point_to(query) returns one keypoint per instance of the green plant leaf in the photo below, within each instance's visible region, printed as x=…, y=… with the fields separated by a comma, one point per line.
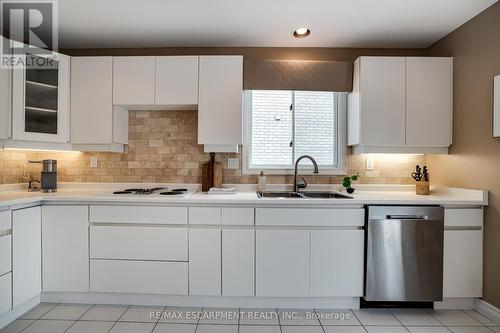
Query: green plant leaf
x=347, y=179
x=355, y=177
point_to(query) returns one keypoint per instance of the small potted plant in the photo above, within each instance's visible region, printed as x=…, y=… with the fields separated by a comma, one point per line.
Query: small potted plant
x=347, y=183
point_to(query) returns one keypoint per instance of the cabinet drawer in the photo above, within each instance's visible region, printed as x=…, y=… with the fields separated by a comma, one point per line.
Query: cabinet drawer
x=5, y=223
x=5, y=254
x=237, y=216
x=5, y=292
x=204, y=215
x=138, y=243
x=142, y=277
x=463, y=217
x=309, y=217
x=138, y=214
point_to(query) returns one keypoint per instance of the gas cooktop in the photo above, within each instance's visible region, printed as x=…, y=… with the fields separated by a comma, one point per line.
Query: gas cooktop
x=154, y=191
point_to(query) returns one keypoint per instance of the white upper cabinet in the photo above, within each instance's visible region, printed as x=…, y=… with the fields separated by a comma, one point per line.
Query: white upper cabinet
x=429, y=101
x=378, y=102
x=41, y=99
x=5, y=100
x=91, y=99
x=134, y=80
x=220, y=100
x=177, y=80
x=401, y=105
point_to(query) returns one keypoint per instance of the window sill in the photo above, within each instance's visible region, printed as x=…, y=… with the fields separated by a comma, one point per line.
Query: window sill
x=302, y=172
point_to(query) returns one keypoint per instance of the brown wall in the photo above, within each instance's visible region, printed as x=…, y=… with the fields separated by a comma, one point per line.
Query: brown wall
x=475, y=156
x=282, y=53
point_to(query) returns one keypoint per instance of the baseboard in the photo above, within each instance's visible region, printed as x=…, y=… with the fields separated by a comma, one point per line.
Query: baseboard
x=488, y=310
x=455, y=303
x=205, y=301
x=11, y=315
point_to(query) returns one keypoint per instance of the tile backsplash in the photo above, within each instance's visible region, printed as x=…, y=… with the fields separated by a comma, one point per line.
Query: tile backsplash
x=163, y=149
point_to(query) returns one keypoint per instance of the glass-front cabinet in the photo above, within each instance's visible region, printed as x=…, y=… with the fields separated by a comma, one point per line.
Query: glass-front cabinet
x=41, y=101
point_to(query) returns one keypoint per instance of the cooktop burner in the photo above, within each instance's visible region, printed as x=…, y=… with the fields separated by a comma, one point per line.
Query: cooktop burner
x=141, y=191
x=173, y=192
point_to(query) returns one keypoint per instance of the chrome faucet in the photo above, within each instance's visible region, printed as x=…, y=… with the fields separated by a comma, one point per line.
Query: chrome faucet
x=316, y=170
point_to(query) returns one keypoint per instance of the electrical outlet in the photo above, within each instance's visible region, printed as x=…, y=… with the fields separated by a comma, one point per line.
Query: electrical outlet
x=93, y=161
x=370, y=163
x=233, y=163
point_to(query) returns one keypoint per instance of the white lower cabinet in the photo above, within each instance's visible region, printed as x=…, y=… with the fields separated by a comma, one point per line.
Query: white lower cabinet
x=337, y=263
x=5, y=292
x=282, y=263
x=26, y=254
x=5, y=254
x=138, y=243
x=205, y=261
x=238, y=262
x=463, y=263
x=65, y=254
x=141, y=277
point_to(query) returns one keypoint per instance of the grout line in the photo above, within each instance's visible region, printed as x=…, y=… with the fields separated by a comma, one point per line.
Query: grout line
x=239, y=315
x=279, y=321
x=474, y=318
x=392, y=313
x=320, y=323
x=431, y=312
x=116, y=322
x=83, y=314
x=198, y=321
x=162, y=312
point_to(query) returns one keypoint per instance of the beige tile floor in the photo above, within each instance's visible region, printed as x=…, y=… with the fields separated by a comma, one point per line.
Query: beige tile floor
x=83, y=318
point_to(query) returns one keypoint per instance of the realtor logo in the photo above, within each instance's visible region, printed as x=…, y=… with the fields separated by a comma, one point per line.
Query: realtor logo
x=28, y=27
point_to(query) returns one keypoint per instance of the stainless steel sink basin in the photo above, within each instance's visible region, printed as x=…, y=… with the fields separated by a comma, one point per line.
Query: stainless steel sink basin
x=269, y=194
x=326, y=195
x=303, y=195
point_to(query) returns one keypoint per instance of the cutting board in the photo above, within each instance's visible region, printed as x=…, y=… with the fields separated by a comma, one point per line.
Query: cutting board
x=211, y=174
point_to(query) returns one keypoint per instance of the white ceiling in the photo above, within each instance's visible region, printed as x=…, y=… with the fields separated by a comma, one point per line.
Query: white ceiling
x=334, y=23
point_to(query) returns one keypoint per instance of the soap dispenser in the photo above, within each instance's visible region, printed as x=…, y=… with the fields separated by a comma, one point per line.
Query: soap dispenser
x=261, y=185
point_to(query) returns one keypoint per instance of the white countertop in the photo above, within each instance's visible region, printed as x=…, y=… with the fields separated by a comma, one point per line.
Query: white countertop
x=12, y=195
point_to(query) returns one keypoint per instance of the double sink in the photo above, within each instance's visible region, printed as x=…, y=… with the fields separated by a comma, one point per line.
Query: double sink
x=303, y=195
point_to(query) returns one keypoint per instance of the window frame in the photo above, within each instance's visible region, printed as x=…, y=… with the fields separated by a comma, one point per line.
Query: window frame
x=339, y=141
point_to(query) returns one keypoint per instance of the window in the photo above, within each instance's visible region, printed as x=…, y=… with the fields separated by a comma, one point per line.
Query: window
x=282, y=125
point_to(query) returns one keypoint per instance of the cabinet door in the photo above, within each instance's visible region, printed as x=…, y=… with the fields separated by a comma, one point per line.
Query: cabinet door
x=65, y=254
x=26, y=254
x=5, y=292
x=337, y=261
x=204, y=261
x=220, y=100
x=463, y=263
x=5, y=100
x=41, y=99
x=238, y=262
x=382, y=100
x=429, y=101
x=92, y=100
x=177, y=80
x=134, y=80
x=282, y=263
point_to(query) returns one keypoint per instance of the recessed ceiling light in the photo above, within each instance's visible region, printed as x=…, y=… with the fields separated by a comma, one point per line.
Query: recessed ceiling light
x=301, y=32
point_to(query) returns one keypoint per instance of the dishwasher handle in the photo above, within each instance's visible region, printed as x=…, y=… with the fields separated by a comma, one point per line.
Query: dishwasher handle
x=407, y=217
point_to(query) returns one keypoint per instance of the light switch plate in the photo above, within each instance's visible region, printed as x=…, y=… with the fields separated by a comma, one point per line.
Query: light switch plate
x=93, y=161
x=370, y=163
x=233, y=163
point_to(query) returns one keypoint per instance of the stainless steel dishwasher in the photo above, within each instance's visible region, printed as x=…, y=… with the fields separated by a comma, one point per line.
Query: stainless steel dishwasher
x=404, y=259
